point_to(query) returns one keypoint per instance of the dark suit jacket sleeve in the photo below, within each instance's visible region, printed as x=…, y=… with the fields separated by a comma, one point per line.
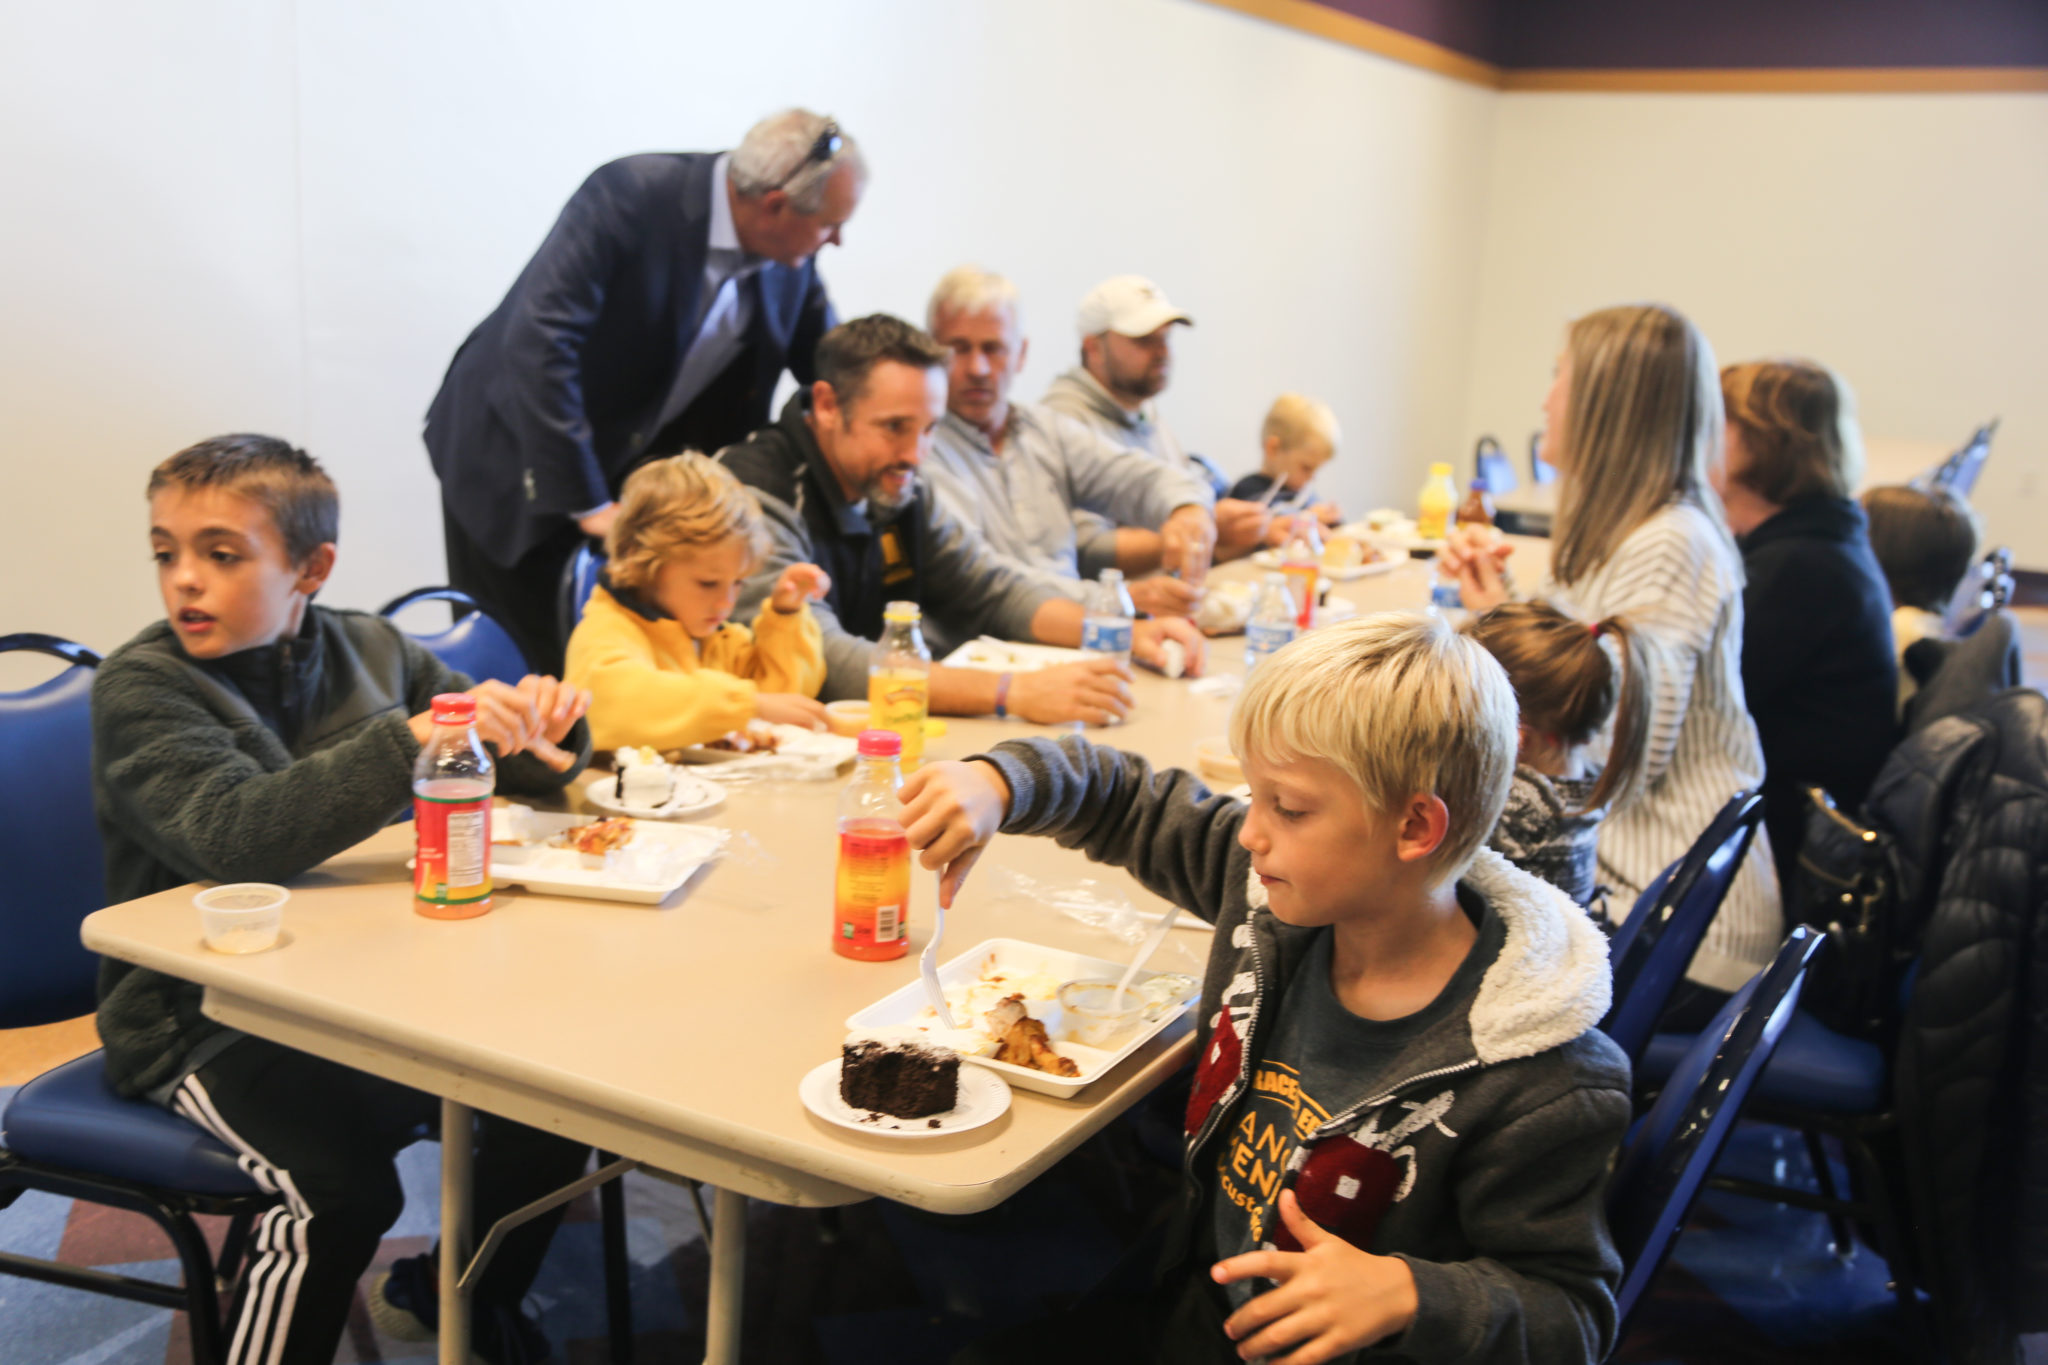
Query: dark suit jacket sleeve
x=548, y=318
x=818, y=318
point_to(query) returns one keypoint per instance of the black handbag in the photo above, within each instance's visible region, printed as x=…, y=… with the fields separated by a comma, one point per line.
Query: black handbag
x=1848, y=885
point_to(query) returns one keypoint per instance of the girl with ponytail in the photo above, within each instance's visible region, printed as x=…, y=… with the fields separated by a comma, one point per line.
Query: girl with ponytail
x=1570, y=680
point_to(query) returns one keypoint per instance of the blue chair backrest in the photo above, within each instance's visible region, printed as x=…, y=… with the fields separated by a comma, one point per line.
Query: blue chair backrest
x=1540, y=469
x=1958, y=473
x=475, y=644
x=579, y=580
x=1667, y=1157
x=1492, y=467
x=1651, y=949
x=49, y=840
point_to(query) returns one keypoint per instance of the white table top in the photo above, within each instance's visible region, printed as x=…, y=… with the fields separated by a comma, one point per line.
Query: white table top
x=676, y=1035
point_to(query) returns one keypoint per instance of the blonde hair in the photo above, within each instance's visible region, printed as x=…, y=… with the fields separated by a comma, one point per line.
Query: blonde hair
x=1567, y=687
x=685, y=502
x=1642, y=424
x=1295, y=418
x=969, y=289
x=1798, y=425
x=1401, y=704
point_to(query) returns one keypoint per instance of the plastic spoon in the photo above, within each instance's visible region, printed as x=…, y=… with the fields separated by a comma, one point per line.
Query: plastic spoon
x=1150, y=946
x=928, y=963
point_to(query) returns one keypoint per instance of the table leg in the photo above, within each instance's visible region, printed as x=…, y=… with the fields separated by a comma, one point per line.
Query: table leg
x=728, y=1278
x=458, y=1143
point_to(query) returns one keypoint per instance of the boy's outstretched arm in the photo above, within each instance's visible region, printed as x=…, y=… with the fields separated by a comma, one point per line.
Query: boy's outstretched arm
x=1162, y=825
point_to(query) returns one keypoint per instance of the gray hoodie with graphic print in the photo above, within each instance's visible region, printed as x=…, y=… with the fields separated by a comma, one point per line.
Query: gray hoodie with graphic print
x=1485, y=1167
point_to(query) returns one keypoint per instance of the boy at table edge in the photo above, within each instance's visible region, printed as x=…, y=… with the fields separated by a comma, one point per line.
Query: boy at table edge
x=1402, y=1117
x=247, y=737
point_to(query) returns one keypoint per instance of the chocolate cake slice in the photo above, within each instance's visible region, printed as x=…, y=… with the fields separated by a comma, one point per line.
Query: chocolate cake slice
x=902, y=1080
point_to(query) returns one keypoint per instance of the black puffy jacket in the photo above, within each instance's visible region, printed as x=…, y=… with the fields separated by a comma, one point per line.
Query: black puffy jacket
x=1967, y=800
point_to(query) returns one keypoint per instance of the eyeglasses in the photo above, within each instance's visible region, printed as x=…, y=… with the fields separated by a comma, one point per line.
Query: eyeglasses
x=823, y=150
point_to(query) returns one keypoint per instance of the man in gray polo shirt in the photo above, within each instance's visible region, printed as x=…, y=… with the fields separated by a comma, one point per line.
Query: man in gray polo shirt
x=1017, y=472
x=1126, y=329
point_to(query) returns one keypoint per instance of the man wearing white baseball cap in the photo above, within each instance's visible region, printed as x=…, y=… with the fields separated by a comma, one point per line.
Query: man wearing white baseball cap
x=1126, y=324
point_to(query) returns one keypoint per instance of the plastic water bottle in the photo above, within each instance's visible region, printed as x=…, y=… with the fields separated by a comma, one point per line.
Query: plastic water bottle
x=1271, y=627
x=1445, y=598
x=1106, y=629
x=452, y=783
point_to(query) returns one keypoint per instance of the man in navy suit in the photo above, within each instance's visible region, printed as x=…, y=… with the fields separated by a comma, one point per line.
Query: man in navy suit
x=657, y=317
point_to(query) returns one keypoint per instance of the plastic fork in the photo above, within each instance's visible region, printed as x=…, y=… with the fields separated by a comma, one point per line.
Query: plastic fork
x=928, y=962
x=1151, y=946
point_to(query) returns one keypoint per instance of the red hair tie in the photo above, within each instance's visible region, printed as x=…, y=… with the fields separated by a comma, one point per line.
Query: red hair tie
x=1594, y=629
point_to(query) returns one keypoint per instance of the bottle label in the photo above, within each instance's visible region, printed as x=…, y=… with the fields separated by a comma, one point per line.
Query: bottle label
x=873, y=891
x=452, y=859
x=1262, y=638
x=1106, y=635
x=1445, y=596
x=1301, y=581
x=899, y=701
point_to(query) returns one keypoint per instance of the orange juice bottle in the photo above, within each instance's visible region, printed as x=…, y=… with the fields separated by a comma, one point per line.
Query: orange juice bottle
x=871, y=897
x=900, y=680
x=451, y=801
x=1439, y=502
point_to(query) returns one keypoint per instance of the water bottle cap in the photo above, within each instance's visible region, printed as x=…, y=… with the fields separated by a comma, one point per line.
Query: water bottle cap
x=880, y=744
x=454, y=708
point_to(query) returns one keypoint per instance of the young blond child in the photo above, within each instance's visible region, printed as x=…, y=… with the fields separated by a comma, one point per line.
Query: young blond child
x=664, y=665
x=1298, y=437
x=1402, y=1114
x=1567, y=688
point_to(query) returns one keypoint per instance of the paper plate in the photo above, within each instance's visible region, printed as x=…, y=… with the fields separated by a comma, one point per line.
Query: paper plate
x=984, y=1098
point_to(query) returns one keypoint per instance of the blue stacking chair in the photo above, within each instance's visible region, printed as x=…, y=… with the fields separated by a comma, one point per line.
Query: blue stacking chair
x=474, y=644
x=1821, y=1084
x=1958, y=473
x=1492, y=467
x=579, y=580
x=66, y=1132
x=1675, y=1144
x=1652, y=947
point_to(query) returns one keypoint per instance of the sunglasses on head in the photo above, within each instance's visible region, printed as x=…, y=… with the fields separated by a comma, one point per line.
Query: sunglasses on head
x=823, y=150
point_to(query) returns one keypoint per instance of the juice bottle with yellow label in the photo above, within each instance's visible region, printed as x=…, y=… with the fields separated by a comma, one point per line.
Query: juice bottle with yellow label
x=871, y=894
x=900, y=680
x=452, y=783
x=1438, y=502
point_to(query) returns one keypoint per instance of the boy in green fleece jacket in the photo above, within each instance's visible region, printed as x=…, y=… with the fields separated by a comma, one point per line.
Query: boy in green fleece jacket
x=1402, y=1118
x=247, y=737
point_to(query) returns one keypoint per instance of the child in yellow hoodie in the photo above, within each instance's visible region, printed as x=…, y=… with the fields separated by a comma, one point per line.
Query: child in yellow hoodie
x=664, y=666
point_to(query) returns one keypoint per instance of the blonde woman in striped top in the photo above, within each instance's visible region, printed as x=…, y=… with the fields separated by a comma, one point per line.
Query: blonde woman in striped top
x=1633, y=421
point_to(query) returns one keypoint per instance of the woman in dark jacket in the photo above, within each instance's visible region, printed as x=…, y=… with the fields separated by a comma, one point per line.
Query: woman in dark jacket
x=1817, y=660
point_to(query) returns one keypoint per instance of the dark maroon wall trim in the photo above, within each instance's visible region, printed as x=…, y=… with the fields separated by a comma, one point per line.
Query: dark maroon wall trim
x=1722, y=34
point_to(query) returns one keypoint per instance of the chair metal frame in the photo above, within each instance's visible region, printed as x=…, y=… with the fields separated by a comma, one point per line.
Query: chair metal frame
x=204, y=1280
x=1653, y=945
x=1663, y=1166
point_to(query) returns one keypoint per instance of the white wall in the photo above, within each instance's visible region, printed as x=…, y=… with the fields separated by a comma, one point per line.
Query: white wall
x=284, y=216
x=1901, y=238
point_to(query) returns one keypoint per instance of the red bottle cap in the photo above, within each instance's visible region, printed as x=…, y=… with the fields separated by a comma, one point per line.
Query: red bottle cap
x=880, y=744
x=454, y=708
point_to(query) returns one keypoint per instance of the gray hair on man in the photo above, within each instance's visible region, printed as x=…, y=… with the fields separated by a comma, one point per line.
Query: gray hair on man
x=969, y=289
x=778, y=154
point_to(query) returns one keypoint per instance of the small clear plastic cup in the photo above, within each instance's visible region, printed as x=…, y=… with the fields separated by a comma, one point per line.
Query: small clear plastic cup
x=242, y=917
x=847, y=718
x=1092, y=1020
